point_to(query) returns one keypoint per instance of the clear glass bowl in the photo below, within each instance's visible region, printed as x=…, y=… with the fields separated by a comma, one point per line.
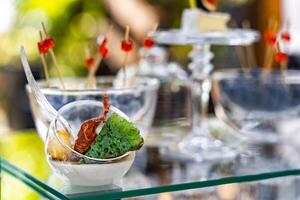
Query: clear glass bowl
x=261, y=106
x=137, y=102
x=72, y=166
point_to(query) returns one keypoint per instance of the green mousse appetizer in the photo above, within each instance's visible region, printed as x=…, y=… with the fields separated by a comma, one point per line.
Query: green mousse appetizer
x=117, y=137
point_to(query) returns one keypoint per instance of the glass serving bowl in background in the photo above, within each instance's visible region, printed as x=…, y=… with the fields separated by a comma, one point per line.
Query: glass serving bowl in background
x=137, y=102
x=261, y=106
x=76, y=168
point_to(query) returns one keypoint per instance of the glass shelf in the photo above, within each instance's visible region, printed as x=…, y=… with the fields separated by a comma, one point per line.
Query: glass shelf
x=160, y=170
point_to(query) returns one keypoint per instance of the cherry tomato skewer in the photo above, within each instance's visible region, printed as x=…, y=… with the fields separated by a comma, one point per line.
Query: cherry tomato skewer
x=43, y=51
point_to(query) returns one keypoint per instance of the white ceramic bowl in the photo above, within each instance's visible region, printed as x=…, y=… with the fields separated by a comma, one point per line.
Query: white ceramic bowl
x=92, y=174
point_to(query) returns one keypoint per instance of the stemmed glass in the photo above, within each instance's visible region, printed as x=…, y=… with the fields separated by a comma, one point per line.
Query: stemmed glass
x=199, y=144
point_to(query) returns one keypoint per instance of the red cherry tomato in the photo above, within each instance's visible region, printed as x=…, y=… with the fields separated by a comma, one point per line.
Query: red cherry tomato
x=49, y=42
x=285, y=37
x=270, y=38
x=127, y=46
x=89, y=62
x=148, y=43
x=103, y=50
x=42, y=47
x=281, y=57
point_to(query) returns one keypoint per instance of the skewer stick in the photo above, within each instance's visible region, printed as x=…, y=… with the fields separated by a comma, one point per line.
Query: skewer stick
x=250, y=52
x=283, y=64
x=240, y=52
x=126, y=38
x=54, y=60
x=155, y=27
x=87, y=52
x=241, y=56
x=269, y=54
x=148, y=44
x=45, y=66
x=98, y=59
x=192, y=4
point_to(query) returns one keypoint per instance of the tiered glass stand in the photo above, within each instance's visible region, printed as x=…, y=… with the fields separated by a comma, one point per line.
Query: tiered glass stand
x=199, y=144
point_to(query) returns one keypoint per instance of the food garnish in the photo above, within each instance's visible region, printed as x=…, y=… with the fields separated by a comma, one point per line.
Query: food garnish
x=87, y=132
x=56, y=150
x=117, y=137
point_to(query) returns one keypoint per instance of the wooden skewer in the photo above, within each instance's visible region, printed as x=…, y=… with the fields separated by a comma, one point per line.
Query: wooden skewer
x=240, y=52
x=126, y=38
x=54, y=60
x=155, y=27
x=87, y=52
x=193, y=4
x=98, y=59
x=241, y=56
x=250, y=52
x=45, y=66
x=283, y=65
x=269, y=54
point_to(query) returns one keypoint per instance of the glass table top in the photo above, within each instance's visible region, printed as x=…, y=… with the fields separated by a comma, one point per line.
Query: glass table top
x=156, y=170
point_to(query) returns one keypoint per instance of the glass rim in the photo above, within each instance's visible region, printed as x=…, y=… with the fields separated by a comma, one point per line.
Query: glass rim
x=231, y=73
x=149, y=83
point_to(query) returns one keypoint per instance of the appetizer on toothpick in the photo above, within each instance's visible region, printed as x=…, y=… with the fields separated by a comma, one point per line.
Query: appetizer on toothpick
x=281, y=58
x=89, y=61
x=42, y=51
x=282, y=48
x=149, y=42
x=126, y=47
x=270, y=39
x=102, y=53
x=277, y=48
x=49, y=42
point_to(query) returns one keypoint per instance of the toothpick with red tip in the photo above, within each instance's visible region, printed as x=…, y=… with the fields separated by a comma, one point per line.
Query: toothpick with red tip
x=281, y=57
x=271, y=40
x=149, y=42
x=270, y=37
x=285, y=34
x=126, y=47
x=43, y=50
x=89, y=61
x=49, y=44
x=101, y=54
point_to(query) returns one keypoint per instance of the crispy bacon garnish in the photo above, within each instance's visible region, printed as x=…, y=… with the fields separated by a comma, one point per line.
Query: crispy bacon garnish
x=87, y=133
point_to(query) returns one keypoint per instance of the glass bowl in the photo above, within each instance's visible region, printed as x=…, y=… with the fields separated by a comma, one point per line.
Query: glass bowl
x=259, y=105
x=137, y=102
x=72, y=166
